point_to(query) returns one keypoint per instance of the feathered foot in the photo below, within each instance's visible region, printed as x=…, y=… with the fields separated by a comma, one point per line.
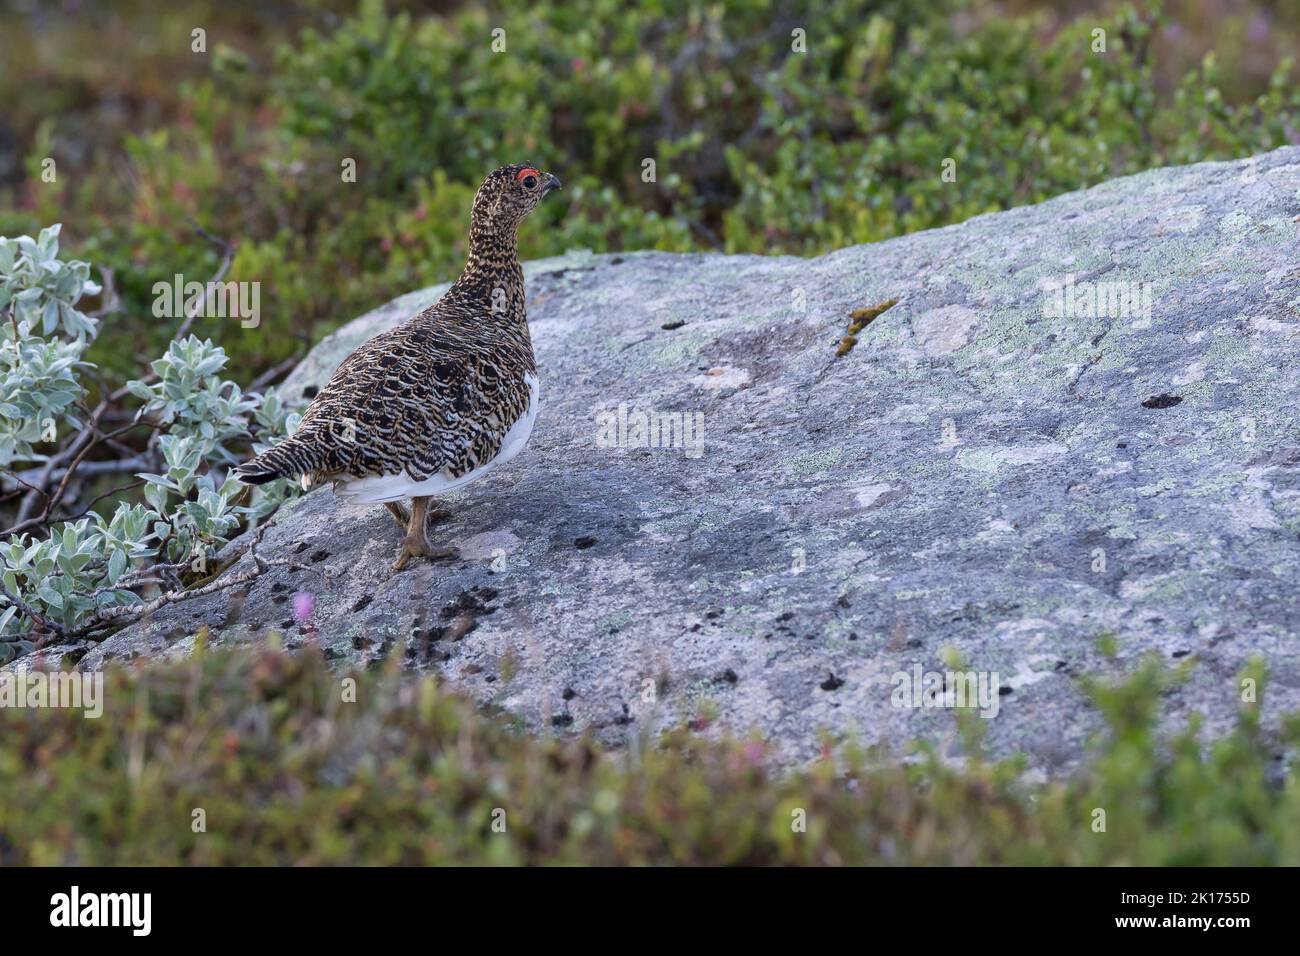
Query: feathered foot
x=416, y=543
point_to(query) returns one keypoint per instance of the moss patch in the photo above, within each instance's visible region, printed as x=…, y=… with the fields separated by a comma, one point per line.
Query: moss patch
x=859, y=320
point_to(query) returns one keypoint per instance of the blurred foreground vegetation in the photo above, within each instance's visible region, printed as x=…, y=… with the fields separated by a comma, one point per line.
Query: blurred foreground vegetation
x=286, y=772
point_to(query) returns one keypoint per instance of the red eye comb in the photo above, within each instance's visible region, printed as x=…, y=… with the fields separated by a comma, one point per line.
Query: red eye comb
x=529, y=171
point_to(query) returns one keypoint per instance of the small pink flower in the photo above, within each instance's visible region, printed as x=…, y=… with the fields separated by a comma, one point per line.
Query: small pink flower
x=304, y=602
x=1257, y=31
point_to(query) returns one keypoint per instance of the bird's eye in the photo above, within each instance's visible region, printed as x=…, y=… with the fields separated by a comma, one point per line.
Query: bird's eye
x=530, y=181
x=528, y=176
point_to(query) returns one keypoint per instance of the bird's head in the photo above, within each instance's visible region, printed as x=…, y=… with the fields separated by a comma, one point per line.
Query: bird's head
x=510, y=193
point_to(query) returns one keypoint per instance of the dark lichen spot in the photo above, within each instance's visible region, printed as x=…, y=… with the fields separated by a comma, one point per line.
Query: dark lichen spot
x=319, y=556
x=464, y=612
x=673, y=324
x=362, y=603
x=1004, y=690
x=831, y=682
x=586, y=541
x=561, y=720
x=569, y=693
x=726, y=677
x=1162, y=401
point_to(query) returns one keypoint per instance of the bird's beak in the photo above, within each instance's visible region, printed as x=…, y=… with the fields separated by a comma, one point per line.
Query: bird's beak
x=553, y=183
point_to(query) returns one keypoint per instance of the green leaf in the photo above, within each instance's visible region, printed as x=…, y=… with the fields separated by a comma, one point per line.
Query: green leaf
x=140, y=390
x=116, y=566
x=46, y=593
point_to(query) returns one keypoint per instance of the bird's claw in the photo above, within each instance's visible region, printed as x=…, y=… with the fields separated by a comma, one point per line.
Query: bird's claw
x=422, y=549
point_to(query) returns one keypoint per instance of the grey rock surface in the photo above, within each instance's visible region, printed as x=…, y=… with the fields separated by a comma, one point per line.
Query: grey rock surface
x=979, y=473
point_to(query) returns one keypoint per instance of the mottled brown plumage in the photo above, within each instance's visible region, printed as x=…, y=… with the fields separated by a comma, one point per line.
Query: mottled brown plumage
x=434, y=403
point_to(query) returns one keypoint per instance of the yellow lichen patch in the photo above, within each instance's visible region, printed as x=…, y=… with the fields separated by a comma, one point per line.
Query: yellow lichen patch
x=864, y=316
x=861, y=319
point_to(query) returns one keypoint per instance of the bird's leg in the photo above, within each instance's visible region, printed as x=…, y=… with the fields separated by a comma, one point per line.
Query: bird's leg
x=399, y=513
x=436, y=512
x=416, y=543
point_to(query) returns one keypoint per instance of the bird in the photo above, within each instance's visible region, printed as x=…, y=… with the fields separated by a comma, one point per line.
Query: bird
x=438, y=401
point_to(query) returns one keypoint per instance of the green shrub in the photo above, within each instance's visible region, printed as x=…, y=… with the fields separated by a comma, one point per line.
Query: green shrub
x=65, y=572
x=286, y=771
x=757, y=148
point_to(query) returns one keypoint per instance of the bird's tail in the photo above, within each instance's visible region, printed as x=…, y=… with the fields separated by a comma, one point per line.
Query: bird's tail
x=291, y=458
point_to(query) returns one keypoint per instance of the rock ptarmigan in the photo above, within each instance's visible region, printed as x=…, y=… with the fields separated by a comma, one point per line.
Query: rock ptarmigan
x=440, y=400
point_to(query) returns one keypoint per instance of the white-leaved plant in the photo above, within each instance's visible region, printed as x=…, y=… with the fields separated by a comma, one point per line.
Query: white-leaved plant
x=90, y=571
x=190, y=397
x=38, y=382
